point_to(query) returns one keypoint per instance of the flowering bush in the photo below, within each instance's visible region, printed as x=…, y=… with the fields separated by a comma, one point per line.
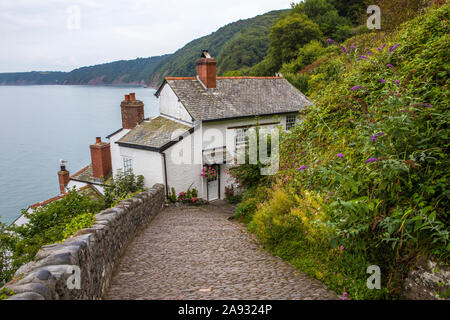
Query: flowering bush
x=364, y=180
x=189, y=197
x=209, y=173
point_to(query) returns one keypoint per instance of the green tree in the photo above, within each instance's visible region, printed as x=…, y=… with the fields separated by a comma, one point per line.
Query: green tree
x=353, y=10
x=327, y=17
x=288, y=35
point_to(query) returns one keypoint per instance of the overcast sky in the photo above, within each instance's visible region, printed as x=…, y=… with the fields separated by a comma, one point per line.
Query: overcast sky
x=48, y=35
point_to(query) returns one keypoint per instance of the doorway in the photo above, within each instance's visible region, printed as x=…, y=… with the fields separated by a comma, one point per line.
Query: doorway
x=214, y=185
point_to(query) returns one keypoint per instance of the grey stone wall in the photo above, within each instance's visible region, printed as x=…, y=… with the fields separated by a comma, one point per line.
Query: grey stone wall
x=428, y=281
x=93, y=252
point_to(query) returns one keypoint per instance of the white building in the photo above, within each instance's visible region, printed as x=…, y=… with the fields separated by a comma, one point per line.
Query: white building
x=203, y=121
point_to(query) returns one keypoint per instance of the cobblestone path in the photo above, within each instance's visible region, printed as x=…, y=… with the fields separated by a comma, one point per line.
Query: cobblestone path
x=191, y=253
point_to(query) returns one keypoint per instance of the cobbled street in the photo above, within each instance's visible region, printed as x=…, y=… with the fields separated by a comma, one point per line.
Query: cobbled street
x=197, y=253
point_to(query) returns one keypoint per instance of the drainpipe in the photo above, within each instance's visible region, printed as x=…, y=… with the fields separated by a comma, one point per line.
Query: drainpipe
x=165, y=174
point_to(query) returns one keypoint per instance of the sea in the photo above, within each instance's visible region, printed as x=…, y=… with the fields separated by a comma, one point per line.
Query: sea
x=42, y=124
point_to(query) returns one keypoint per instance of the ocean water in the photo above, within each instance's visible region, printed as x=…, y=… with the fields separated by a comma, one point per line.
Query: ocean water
x=42, y=124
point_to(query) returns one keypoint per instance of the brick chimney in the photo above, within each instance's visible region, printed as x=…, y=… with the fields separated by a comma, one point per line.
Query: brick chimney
x=206, y=70
x=101, y=159
x=63, y=177
x=132, y=111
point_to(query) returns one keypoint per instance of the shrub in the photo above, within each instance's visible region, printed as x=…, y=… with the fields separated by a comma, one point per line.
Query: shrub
x=5, y=293
x=46, y=225
x=78, y=223
x=190, y=197
x=6, y=271
x=173, y=195
x=230, y=195
x=364, y=179
x=124, y=185
x=249, y=204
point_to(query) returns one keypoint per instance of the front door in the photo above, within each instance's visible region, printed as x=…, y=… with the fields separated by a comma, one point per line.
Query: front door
x=213, y=185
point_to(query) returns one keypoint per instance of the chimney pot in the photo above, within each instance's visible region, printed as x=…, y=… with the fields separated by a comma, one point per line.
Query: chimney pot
x=127, y=97
x=64, y=178
x=101, y=159
x=206, y=70
x=132, y=112
x=98, y=140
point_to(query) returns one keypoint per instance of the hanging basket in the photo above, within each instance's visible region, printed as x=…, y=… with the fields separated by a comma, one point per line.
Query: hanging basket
x=209, y=173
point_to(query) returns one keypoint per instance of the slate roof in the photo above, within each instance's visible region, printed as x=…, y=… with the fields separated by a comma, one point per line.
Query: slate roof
x=153, y=134
x=86, y=175
x=237, y=97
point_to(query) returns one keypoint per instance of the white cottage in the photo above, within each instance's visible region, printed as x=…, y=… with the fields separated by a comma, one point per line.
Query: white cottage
x=203, y=121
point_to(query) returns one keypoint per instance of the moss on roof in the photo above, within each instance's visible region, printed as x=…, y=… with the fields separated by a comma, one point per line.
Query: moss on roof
x=155, y=133
x=86, y=175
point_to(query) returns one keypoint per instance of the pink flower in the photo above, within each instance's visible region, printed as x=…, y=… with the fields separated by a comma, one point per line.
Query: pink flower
x=345, y=294
x=341, y=248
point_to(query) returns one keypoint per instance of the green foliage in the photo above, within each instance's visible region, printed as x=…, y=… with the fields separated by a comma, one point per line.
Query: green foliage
x=326, y=17
x=6, y=271
x=189, y=197
x=353, y=10
x=249, y=174
x=46, y=225
x=252, y=199
x=36, y=77
x=135, y=71
x=125, y=185
x=364, y=179
x=172, y=195
x=296, y=37
x=288, y=35
x=231, y=195
x=5, y=293
x=80, y=222
x=236, y=45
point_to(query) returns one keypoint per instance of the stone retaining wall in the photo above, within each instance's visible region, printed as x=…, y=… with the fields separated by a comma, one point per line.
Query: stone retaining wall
x=93, y=253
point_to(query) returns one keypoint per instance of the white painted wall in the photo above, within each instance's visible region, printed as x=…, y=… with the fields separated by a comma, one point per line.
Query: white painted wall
x=184, y=165
x=184, y=160
x=146, y=163
x=170, y=106
x=116, y=159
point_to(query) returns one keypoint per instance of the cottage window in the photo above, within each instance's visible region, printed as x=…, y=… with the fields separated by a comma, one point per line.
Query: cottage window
x=241, y=138
x=291, y=121
x=127, y=164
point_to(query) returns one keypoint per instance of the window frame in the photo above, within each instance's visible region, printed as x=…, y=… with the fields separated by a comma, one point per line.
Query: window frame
x=127, y=163
x=289, y=123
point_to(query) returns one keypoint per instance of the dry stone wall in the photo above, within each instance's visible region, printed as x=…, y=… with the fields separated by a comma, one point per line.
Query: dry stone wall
x=82, y=267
